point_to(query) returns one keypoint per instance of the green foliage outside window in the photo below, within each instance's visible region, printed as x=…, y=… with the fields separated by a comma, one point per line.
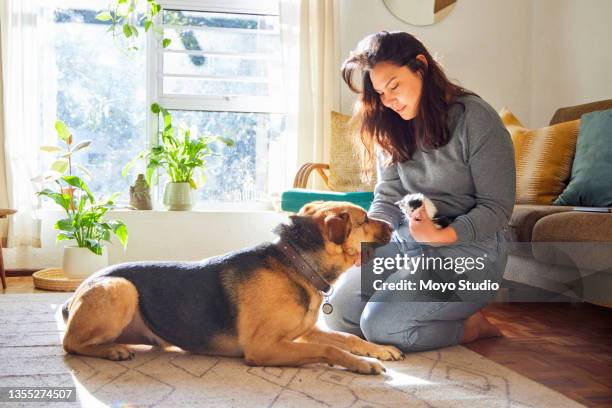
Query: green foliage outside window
x=124, y=19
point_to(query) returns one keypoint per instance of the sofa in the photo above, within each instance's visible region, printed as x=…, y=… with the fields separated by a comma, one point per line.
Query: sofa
x=564, y=252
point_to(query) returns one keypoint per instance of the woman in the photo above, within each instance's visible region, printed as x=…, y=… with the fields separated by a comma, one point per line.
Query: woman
x=426, y=135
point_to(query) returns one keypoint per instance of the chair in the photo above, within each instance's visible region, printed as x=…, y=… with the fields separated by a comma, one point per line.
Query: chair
x=341, y=176
x=4, y=213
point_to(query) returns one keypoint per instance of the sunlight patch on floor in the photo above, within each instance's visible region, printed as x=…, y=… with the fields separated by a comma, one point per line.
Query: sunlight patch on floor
x=399, y=379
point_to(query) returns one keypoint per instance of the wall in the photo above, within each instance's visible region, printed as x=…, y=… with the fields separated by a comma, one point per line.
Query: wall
x=160, y=235
x=571, y=55
x=532, y=56
x=482, y=45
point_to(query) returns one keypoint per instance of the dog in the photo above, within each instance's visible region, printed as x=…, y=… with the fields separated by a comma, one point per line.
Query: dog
x=260, y=303
x=412, y=202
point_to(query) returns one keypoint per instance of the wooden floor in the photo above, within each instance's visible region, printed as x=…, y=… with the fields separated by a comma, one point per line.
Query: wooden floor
x=563, y=346
x=20, y=284
x=566, y=347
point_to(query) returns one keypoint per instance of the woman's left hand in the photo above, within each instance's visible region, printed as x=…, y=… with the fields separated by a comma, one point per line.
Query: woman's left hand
x=421, y=226
x=423, y=229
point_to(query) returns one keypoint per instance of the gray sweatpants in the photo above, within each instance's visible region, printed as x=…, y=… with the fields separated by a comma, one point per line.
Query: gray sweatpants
x=414, y=321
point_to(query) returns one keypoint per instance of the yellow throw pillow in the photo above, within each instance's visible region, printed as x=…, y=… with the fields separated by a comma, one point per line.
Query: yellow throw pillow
x=543, y=158
x=344, y=162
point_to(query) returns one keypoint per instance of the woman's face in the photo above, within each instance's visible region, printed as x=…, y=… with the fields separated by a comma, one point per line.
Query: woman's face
x=399, y=88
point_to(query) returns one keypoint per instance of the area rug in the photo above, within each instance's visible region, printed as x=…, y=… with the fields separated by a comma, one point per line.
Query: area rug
x=31, y=356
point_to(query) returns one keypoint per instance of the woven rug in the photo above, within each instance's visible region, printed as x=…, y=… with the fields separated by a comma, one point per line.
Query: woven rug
x=31, y=356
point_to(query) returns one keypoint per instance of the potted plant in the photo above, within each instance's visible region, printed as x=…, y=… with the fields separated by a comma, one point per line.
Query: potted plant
x=86, y=222
x=64, y=153
x=183, y=158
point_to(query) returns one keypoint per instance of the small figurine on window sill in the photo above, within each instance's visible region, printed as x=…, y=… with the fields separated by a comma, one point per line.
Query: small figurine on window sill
x=140, y=194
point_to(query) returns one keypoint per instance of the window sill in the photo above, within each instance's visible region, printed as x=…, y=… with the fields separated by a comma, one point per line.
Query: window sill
x=220, y=208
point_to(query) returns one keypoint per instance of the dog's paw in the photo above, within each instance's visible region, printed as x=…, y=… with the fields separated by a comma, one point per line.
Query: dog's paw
x=368, y=366
x=384, y=353
x=387, y=353
x=119, y=353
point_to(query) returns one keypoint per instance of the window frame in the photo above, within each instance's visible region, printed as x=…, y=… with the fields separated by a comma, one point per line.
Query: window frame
x=154, y=80
x=155, y=75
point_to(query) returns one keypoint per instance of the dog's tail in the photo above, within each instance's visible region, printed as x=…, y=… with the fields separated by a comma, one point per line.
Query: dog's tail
x=65, y=309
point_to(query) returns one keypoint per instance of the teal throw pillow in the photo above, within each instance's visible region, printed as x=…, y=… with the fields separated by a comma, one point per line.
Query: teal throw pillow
x=591, y=180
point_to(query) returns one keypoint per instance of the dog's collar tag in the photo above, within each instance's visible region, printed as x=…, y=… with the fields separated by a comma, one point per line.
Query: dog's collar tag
x=327, y=308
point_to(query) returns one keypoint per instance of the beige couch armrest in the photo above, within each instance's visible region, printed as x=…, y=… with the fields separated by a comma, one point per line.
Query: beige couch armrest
x=574, y=226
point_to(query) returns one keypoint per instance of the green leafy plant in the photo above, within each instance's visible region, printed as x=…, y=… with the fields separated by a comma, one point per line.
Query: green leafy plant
x=124, y=19
x=63, y=162
x=85, y=222
x=182, y=157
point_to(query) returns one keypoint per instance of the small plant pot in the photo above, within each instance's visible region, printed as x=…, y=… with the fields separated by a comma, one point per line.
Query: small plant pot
x=178, y=197
x=79, y=263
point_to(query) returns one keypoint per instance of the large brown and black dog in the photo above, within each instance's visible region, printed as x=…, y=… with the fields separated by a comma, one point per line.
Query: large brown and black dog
x=252, y=303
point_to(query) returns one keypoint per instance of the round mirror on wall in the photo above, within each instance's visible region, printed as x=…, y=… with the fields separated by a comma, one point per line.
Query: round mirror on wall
x=420, y=12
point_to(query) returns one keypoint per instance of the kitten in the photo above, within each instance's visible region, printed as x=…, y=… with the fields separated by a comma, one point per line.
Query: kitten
x=412, y=202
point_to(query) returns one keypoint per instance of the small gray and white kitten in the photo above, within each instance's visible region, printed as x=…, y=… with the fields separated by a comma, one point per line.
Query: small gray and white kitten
x=412, y=202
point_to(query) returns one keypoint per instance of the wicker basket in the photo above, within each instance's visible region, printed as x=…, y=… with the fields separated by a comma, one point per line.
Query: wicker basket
x=54, y=279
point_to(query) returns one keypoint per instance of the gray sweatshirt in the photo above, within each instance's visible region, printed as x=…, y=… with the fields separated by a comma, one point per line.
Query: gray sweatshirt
x=471, y=179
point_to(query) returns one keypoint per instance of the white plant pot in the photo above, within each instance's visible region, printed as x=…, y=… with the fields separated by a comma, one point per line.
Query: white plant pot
x=79, y=263
x=178, y=196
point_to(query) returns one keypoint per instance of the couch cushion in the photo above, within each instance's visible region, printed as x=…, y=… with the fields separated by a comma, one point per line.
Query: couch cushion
x=543, y=158
x=524, y=217
x=575, y=239
x=591, y=181
x=294, y=199
x=344, y=160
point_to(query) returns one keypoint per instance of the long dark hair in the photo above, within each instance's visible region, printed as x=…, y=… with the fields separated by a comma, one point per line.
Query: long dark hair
x=381, y=126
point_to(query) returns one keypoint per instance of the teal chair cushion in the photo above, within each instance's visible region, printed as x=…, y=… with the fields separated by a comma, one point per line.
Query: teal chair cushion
x=294, y=199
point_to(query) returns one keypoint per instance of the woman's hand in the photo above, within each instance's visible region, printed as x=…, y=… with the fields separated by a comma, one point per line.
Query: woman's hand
x=424, y=230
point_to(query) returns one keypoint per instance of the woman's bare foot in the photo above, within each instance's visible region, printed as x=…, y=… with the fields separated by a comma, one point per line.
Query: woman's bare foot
x=477, y=327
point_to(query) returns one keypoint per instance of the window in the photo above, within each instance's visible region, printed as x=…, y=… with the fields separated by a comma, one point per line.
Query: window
x=95, y=87
x=221, y=74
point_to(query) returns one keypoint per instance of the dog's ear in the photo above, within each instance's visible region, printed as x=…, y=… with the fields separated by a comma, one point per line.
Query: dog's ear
x=338, y=227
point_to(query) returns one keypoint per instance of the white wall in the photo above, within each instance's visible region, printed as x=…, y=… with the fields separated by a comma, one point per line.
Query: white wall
x=532, y=56
x=571, y=57
x=160, y=235
x=482, y=44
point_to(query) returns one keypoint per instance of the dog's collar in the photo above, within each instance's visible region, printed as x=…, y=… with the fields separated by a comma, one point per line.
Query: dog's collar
x=303, y=267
